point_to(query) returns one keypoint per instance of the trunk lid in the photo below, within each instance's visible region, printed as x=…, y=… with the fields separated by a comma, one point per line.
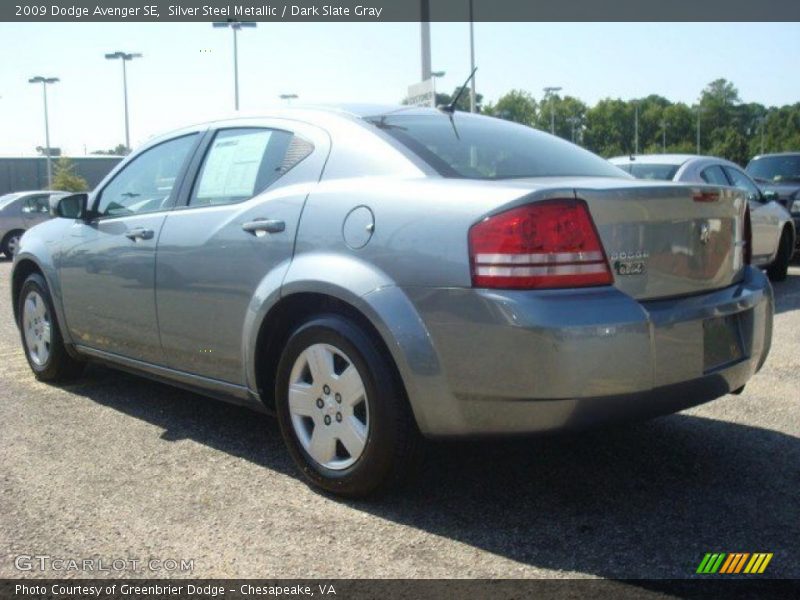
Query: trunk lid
x=669, y=240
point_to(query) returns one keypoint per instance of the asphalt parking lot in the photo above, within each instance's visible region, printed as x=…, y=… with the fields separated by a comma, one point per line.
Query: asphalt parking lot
x=115, y=466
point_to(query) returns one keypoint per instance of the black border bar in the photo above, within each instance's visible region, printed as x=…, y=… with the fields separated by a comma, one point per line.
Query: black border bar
x=399, y=10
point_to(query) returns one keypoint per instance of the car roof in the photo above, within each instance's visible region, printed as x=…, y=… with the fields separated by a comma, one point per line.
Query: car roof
x=661, y=159
x=775, y=154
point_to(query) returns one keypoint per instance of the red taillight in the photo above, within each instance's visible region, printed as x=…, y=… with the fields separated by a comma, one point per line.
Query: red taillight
x=550, y=244
x=748, y=237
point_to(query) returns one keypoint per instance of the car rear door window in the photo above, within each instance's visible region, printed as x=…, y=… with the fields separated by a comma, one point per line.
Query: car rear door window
x=714, y=175
x=37, y=204
x=743, y=182
x=241, y=163
x=146, y=183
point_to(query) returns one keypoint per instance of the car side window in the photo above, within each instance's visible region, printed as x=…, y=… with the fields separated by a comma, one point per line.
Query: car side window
x=742, y=181
x=37, y=204
x=146, y=183
x=241, y=163
x=714, y=175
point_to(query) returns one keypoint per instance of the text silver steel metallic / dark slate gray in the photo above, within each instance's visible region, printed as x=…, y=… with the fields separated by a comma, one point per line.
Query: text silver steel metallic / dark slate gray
x=325, y=263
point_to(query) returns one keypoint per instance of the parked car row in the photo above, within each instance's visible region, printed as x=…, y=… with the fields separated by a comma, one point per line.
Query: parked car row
x=774, y=232
x=376, y=273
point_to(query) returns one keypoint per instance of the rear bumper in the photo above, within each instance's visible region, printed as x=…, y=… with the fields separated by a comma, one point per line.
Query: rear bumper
x=523, y=362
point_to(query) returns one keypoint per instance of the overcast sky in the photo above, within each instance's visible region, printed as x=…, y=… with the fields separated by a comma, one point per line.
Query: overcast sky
x=186, y=73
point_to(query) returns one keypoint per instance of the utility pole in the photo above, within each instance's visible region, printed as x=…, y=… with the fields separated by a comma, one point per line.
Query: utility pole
x=664, y=136
x=636, y=128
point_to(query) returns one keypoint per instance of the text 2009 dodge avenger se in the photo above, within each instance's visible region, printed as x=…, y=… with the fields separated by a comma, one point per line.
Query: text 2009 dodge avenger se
x=374, y=273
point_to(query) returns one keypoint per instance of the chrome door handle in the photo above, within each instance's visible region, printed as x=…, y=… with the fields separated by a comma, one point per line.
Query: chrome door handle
x=260, y=227
x=139, y=233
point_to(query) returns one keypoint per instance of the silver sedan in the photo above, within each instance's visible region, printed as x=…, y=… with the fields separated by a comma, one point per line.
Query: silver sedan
x=20, y=211
x=773, y=228
x=374, y=274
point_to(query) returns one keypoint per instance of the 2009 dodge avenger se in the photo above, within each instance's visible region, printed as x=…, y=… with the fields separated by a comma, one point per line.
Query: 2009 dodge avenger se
x=374, y=273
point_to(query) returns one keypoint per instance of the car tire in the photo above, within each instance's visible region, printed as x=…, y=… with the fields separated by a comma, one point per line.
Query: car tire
x=11, y=243
x=779, y=269
x=41, y=335
x=366, y=443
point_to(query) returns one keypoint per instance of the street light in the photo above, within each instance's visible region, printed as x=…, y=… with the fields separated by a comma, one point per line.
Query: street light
x=573, y=121
x=699, y=110
x=434, y=76
x=472, y=57
x=762, y=120
x=635, y=127
x=663, y=135
x=235, y=26
x=548, y=91
x=288, y=97
x=125, y=57
x=44, y=81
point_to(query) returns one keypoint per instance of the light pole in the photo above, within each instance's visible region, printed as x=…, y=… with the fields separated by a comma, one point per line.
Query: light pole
x=434, y=76
x=235, y=26
x=44, y=81
x=471, y=58
x=762, y=121
x=636, y=128
x=664, y=136
x=548, y=92
x=699, y=110
x=573, y=121
x=125, y=57
x=288, y=97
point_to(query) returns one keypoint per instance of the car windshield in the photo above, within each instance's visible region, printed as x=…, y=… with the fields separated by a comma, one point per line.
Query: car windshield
x=775, y=169
x=8, y=199
x=651, y=171
x=470, y=147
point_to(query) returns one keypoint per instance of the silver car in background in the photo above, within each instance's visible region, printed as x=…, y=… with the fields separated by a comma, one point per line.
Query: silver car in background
x=773, y=228
x=372, y=274
x=19, y=212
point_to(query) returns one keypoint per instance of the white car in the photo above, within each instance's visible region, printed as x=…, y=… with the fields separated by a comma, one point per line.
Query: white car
x=19, y=212
x=773, y=228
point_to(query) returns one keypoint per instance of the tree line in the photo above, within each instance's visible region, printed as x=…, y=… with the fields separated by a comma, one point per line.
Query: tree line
x=729, y=127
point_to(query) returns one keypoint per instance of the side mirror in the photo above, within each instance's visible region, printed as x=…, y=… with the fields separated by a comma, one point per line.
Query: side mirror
x=70, y=207
x=770, y=195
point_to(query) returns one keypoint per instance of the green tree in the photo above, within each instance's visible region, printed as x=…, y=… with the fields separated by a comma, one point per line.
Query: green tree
x=65, y=178
x=119, y=150
x=517, y=105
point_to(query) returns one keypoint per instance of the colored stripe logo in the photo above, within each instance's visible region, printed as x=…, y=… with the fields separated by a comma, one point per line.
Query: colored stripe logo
x=734, y=563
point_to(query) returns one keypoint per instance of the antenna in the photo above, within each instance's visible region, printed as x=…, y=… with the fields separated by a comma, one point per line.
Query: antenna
x=452, y=106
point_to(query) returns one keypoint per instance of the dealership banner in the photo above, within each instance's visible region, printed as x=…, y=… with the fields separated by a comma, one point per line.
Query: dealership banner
x=400, y=10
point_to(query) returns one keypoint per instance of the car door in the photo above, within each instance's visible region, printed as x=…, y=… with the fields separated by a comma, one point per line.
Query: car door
x=764, y=216
x=107, y=269
x=235, y=225
x=35, y=209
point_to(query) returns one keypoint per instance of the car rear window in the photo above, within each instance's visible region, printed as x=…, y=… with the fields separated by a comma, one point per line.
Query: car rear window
x=652, y=171
x=471, y=147
x=775, y=169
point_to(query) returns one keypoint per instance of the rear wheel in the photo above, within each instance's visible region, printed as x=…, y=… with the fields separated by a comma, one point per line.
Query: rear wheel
x=11, y=243
x=779, y=269
x=41, y=336
x=342, y=412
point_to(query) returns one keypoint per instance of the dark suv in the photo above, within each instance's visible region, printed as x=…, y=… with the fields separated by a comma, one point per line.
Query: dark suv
x=780, y=173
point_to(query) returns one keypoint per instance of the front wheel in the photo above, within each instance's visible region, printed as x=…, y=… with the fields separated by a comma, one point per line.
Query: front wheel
x=342, y=412
x=41, y=336
x=11, y=244
x=779, y=269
